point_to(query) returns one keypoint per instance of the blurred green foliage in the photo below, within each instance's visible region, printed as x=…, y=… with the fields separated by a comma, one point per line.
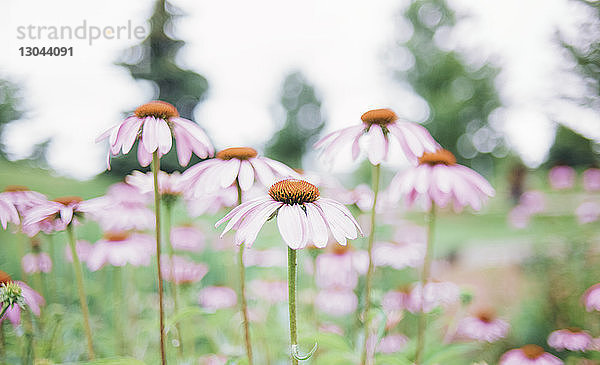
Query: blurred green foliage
x=10, y=106
x=460, y=96
x=154, y=60
x=573, y=149
x=303, y=121
x=569, y=147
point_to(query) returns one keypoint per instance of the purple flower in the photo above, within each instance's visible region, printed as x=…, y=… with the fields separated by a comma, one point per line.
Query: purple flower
x=436, y=294
x=303, y=217
x=180, y=270
x=272, y=257
x=380, y=127
x=241, y=164
x=572, y=339
x=56, y=214
x=392, y=343
x=439, y=179
x=84, y=249
x=155, y=124
x=217, y=297
x=591, y=180
x=187, y=238
x=484, y=327
x=34, y=263
x=529, y=355
x=591, y=298
x=337, y=270
x=561, y=177
x=8, y=211
x=270, y=291
x=399, y=255
x=32, y=299
x=588, y=212
x=336, y=302
x=120, y=249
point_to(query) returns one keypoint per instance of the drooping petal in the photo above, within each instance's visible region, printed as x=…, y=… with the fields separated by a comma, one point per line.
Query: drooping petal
x=229, y=172
x=144, y=157
x=246, y=176
x=316, y=225
x=150, y=134
x=377, y=145
x=127, y=134
x=263, y=171
x=248, y=230
x=290, y=223
x=165, y=139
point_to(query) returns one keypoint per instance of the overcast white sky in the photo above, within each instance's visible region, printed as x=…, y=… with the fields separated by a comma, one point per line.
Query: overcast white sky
x=245, y=48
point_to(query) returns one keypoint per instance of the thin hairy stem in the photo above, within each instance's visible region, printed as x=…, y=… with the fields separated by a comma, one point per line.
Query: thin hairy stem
x=155, y=170
x=243, y=301
x=369, y=279
x=422, y=321
x=81, y=290
x=174, y=294
x=292, y=301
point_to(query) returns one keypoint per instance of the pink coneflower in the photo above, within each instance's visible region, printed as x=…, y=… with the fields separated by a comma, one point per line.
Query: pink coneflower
x=84, y=249
x=8, y=211
x=180, y=270
x=336, y=270
x=439, y=179
x=241, y=164
x=336, y=302
x=381, y=127
x=561, y=177
x=272, y=257
x=331, y=328
x=392, y=343
x=120, y=249
x=155, y=124
x=21, y=197
x=187, y=238
x=572, y=339
x=591, y=180
x=34, y=263
x=519, y=217
x=484, y=326
x=303, y=217
x=168, y=184
x=399, y=255
x=591, y=298
x=217, y=297
x=529, y=355
x=436, y=294
x=270, y=291
x=395, y=300
x=533, y=201
x=58, y=213
x=587, y=212
x=32, y=299
x=123, y=208
x=213, y=203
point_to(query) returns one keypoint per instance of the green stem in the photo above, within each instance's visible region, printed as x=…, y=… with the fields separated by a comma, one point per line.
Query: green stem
x=29, y=351
x=168, y=218
x=292, y=300
x=2, y=343
x=155, y=170
x=243, y=301
x=422, y=321
x=82, y=298
x=4, y=311
x=369, y=279
x=119, y=320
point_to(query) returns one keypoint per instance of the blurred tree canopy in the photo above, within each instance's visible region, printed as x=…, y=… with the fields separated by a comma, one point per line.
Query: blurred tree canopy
x=573, y=149
x=569, y=147
x=10, y=107
x=303, y=121
x=154, y=60
x=460, y=97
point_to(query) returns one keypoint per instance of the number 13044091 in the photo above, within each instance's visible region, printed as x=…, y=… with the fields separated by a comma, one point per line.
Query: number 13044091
x=46, y=51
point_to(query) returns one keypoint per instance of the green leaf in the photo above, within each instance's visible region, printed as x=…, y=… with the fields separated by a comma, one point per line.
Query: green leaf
x=450, y=352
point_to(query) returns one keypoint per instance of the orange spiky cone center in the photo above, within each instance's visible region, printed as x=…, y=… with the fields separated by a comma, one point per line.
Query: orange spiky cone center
x=293, y=191
x=532, y=351
x=116, y=236
x=157, y=109
x=4, y=278
x=439, y=157
x=66, y=200
x=15, y=188
x=379, y=116
x=240, y=153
